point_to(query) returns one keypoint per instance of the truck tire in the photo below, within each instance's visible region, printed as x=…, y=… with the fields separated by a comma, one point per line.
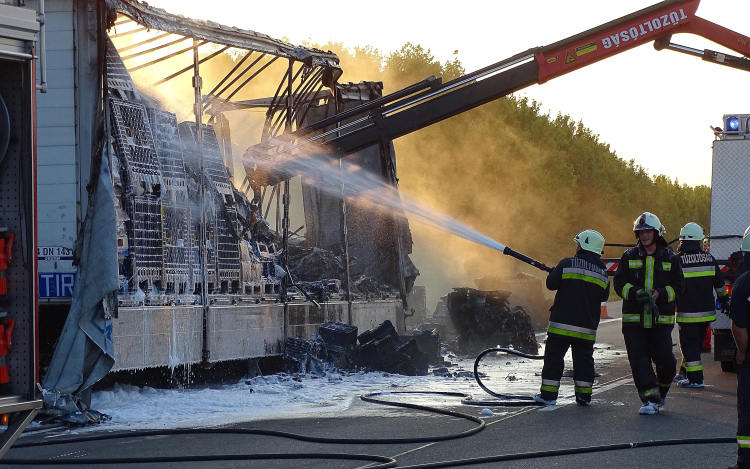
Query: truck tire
x=727, y=366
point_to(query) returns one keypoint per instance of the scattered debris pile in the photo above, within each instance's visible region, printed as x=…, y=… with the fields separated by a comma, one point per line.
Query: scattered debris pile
x=484, y=319
x=380, y=349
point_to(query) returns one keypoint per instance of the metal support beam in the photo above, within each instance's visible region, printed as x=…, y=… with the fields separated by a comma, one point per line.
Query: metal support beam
x=234, y=69
x=147, y=41
x=237, y=77
x=162, y=59
x=205, y=59
x=285, y=222
x=272, y=108
x=123, y=21
x=307, y=109
x=154, y=49
x=198, y=113
x=251, y=77
x=128, y=33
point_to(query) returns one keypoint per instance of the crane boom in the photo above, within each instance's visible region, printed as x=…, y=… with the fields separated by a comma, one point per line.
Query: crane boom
x=657, y=23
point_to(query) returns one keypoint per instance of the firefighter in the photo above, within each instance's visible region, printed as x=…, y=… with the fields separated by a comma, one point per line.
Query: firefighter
x=582, y=285
x=649, y=280
x=696, y=307
x=740, y=316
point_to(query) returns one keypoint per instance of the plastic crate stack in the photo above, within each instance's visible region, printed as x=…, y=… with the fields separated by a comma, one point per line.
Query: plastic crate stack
x=134, y=146
x=225, y=256
x=191, y=158
x=178, y=234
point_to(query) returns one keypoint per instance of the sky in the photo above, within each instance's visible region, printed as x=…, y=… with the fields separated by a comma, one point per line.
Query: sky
x=653, y=107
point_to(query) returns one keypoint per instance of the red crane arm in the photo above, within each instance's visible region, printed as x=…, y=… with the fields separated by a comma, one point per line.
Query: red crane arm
x=650, y=24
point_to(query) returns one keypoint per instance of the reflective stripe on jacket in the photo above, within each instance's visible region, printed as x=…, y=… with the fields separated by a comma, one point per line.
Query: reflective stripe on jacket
x=703, y=277
x=660, y=271
x=582, y=285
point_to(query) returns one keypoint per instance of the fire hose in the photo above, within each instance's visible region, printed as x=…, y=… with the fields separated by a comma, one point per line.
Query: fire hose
x=517, y=255
x=384, y=461
x=506, y=399
x=377, y=462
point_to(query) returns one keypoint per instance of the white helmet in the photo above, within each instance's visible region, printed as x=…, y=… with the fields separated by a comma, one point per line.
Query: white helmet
x=746, y=241
x=590, y=240
x=649, y=221
x=692, y=232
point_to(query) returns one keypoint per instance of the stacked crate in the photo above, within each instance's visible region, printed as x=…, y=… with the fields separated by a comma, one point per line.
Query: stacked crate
x=223, y=264
x=134, y=147
x=178, y=234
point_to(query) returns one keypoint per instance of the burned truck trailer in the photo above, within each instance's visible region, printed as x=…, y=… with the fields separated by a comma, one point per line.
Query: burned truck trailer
x=201, y=274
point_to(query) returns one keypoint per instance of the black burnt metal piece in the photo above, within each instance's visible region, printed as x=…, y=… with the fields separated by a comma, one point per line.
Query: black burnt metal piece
x=381, y=350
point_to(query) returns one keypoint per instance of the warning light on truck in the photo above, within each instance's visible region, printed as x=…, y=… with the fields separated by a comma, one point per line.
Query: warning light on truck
x=733, y=124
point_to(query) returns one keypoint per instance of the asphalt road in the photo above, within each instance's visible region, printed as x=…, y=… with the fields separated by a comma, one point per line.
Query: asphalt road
x=612, y=419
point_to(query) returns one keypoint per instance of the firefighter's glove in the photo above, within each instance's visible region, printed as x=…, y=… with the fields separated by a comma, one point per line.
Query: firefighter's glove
x=643, y=297
x=652, y=309
x=725, y=307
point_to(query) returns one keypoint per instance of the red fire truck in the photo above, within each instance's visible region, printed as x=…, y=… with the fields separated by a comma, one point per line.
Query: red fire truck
x=20, y=44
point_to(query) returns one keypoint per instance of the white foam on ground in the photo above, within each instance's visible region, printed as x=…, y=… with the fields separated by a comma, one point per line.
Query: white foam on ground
x=334, y=395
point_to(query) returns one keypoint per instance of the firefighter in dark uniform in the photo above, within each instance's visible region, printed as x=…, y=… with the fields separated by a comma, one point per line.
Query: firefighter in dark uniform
x=696, y=307
x=582, y=285
x=649, y=280
x=740, y=315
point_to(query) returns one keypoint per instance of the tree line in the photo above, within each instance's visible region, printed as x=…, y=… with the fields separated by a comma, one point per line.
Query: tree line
x=518, y=175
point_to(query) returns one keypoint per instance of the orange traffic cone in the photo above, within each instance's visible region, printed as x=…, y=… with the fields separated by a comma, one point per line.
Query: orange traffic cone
x=605, y=315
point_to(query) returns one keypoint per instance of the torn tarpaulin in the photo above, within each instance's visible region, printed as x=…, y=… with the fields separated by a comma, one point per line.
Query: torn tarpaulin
x=85, y=352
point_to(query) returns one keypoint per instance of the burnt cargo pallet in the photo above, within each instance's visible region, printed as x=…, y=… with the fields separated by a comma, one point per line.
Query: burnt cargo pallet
x=409, y=348
x=386, y=329
x=338, y=337
x=380, y=354
x=296, y=349
x=414, y=366
x=409, y=352
x=429, y=343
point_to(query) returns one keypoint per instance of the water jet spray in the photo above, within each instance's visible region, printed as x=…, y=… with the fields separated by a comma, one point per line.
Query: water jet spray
x=366, y=189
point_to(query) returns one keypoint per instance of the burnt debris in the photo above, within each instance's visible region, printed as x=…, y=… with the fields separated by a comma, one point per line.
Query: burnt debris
x=173, y=240
x=528, y=292
x=484, y=319
x=379, y=349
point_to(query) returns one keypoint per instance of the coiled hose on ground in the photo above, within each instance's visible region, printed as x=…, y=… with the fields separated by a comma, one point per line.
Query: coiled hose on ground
x=382, y=461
